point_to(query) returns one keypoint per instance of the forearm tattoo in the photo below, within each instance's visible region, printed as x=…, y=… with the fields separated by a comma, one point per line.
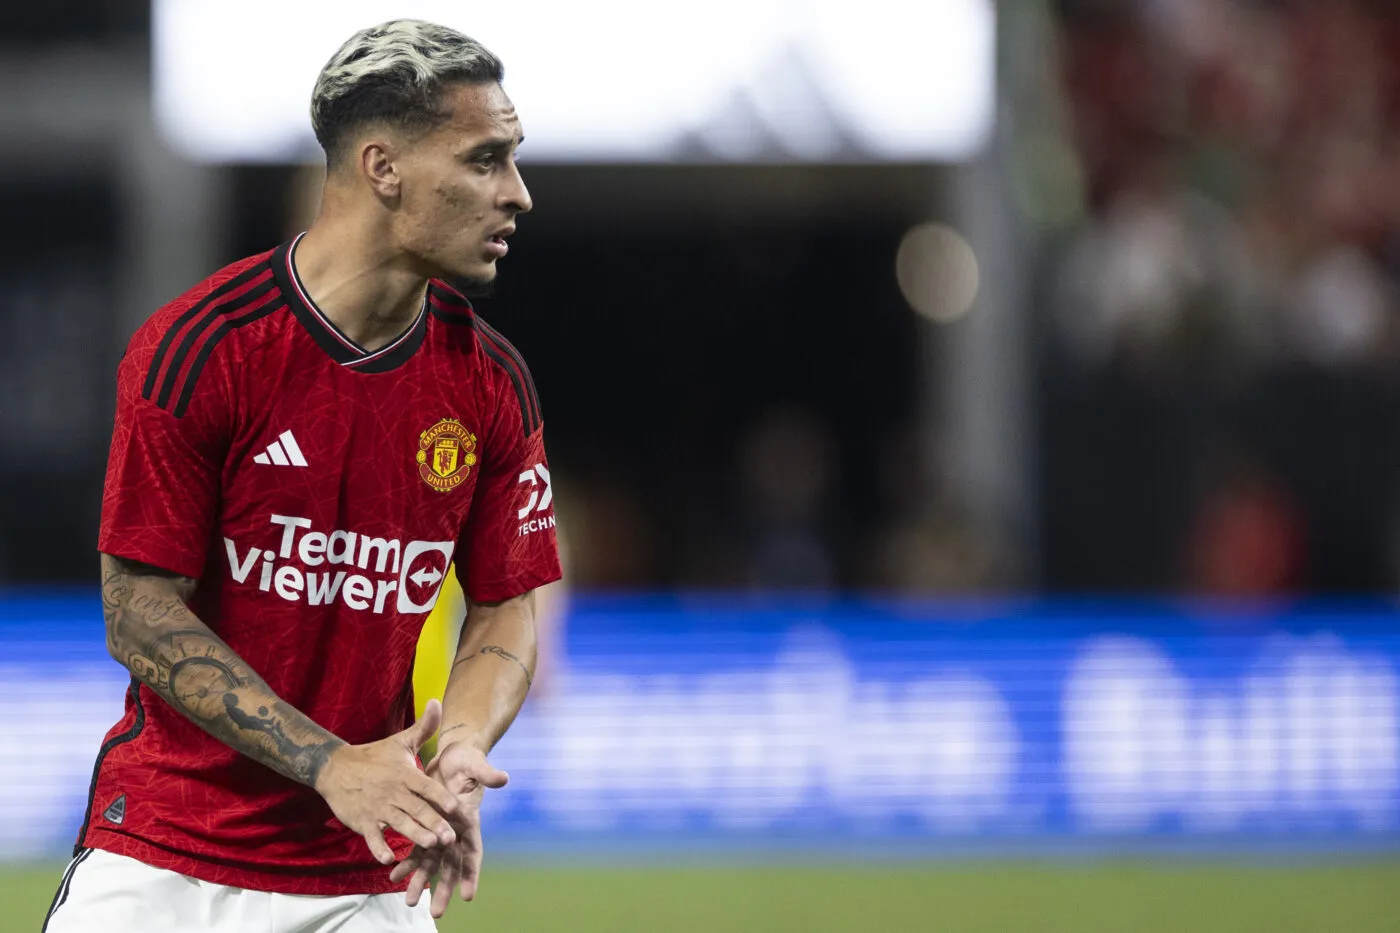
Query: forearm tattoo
x=502, y=653
x=151, y=630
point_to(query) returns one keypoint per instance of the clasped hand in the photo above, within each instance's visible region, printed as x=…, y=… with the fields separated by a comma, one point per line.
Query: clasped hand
x=463, y=771
x=377, y=785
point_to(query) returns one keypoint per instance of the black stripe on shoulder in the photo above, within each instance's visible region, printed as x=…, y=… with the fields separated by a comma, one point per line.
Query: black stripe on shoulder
x=448, y=306
x=449, y=317
x=526, y=414
x=102, y=754
x=531, y=400
x=233, y=284
x=199, y=329
x=230, y=322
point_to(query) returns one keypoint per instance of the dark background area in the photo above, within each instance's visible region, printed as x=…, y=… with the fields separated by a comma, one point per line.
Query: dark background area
x=739, y=395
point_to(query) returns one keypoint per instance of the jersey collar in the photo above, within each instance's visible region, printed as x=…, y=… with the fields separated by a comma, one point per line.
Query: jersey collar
x=330, y=338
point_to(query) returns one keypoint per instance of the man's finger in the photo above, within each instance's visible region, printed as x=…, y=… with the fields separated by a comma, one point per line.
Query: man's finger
x=448, y=872
x=405, y=867
x=471, y=862
x=417, y=734
x=479, y=771
x=424, y=815
x=442, y=799
x=416, y=832
x=377, y=846
x=416, y=886
x=471, y=876
x=490, y=776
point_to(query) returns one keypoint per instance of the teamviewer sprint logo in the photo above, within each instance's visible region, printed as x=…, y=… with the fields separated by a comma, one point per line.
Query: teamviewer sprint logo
x=541, y=500
x=361, y=571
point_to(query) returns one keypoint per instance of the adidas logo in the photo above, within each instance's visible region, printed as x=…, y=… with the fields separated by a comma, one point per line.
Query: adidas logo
x=116, y=813
x=282, y=452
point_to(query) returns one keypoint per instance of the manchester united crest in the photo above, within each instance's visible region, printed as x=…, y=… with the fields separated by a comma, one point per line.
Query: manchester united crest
x=446, y=454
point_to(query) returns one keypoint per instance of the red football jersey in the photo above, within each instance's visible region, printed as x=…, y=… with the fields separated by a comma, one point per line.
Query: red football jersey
x=318, y=492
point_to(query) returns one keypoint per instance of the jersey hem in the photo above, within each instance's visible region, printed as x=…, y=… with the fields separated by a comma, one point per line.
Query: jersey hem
x=500, y=590
x=169, y=561
x=290, y=879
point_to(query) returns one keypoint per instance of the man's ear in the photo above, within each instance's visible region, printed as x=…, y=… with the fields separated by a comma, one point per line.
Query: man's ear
x=380, y=168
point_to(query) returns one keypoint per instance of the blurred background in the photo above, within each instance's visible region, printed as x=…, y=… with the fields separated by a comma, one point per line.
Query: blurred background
x=972, y=428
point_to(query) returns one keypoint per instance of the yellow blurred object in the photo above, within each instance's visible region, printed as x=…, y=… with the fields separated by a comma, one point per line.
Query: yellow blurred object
x=437, y=643
x=436, y=646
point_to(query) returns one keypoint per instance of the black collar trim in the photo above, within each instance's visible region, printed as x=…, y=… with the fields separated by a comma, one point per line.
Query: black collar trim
x=328, y=337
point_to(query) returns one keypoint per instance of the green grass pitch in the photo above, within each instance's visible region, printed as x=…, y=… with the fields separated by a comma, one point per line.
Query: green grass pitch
x=995, y=897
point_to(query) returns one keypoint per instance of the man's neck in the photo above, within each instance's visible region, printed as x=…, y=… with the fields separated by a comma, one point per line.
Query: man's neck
x=361, y=287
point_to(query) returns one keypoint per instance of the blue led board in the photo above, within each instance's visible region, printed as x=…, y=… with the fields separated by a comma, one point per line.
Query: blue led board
x=799, y=725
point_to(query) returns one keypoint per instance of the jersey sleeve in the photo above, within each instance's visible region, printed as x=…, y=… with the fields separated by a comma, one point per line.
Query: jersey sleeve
x=163, y=474
x=508, y=544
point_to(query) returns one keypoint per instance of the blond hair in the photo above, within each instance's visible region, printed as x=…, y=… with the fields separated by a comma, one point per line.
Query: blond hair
x=394, y=74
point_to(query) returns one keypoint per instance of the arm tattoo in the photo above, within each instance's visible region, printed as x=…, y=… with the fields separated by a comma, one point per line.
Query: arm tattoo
x=151, y=630
x=503, y=653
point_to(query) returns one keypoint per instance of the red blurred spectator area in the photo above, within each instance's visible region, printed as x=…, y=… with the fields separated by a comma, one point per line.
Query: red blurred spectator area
x=1229, y=291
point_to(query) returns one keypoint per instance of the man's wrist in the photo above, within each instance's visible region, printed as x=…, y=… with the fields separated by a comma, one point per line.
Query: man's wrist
x=318, y=779
x=458, y=734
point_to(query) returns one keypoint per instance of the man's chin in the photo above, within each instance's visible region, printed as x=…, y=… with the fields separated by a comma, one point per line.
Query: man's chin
x=475, y=284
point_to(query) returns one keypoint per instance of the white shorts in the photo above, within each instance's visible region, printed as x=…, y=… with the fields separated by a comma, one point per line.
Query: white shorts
x=117, y=894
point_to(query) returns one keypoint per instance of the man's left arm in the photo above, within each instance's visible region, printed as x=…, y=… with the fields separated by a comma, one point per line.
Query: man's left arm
x=491, y=674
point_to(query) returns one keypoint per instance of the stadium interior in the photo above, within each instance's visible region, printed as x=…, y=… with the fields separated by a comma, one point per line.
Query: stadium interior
x=971, y=425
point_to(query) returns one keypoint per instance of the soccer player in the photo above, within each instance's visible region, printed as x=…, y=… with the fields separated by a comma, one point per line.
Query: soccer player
x=303, y=443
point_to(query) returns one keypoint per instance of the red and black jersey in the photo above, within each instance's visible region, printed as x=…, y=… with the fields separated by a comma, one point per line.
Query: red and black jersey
x=319, y=493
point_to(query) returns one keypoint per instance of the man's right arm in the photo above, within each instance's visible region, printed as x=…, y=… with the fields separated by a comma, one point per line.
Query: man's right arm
x=154, y=634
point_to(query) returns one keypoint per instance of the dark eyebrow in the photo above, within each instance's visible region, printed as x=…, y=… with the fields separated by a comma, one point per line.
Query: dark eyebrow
x=491, y=146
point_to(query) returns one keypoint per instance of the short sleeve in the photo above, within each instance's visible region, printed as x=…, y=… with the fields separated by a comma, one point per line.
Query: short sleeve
x=508, y=545
x=163, y=476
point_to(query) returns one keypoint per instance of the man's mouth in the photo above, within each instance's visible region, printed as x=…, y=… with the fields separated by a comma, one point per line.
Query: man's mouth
x=496, y=242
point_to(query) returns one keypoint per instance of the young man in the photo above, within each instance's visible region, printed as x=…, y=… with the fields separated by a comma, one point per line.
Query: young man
x=303, y=443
